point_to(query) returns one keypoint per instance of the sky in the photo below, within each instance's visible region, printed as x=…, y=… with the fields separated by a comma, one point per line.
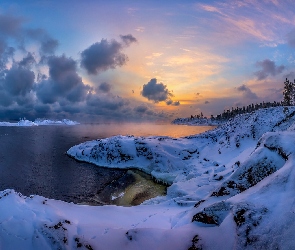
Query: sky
x=142, y=60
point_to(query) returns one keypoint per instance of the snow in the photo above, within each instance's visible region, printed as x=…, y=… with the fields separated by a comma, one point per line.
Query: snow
x=230, y=188
x=37, y=122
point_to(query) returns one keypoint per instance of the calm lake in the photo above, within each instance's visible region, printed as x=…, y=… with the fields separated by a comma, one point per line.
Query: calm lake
x=33, y=161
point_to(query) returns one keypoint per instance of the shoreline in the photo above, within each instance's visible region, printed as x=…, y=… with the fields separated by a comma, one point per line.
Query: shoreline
x=231, y=186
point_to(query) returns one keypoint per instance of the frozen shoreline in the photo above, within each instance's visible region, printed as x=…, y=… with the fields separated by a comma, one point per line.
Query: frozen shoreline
x=232, y=186
x=38, y=122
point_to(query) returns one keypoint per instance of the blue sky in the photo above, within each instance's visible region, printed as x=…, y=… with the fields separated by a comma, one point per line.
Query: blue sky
x=142, y=60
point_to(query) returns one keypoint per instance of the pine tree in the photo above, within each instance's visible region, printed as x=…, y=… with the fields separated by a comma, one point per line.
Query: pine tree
x=288, y=93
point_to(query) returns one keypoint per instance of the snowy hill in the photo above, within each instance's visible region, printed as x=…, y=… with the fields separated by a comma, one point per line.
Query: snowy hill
x=231, y=188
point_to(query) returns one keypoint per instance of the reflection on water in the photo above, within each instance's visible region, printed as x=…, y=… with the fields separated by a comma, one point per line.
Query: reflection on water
x=33, y=161
x=137, y=129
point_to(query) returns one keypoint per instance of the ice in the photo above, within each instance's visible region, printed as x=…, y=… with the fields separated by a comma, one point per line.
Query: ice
x=37, y=122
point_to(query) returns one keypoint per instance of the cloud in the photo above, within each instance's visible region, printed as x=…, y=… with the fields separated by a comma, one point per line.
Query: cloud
x=18, y=81
x=247, y=93
x=156, y=92
x=128, y=39
x=172, y=103
x=27, y=61
x=108, y=102
x=169, y=102
x=6, y=53
x=291, y=38
x=290, y=75
x=10, y=26
x=206, y=102
x=102, y=56
x=141, y=108
x=48, y=44
x=5, y=99
x=140, y=29
x=35, y=82
x=268, y=68
x=63, y=82
x=104, y=87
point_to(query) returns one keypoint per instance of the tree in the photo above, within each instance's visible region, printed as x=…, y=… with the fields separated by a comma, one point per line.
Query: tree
x=288, y=93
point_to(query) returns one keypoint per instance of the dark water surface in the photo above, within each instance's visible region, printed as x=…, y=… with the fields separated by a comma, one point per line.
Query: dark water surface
x=33, y=161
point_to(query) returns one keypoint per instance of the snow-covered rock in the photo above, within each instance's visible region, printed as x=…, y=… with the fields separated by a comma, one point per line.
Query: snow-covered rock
x=37, y=122
x=227, y=173
x=231, y=188
x=55, y=122
x=198, y=162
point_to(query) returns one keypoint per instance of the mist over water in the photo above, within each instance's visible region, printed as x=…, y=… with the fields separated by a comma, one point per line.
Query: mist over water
x=33, y=160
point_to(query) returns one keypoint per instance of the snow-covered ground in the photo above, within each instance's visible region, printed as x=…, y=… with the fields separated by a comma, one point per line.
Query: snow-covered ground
x=37, y=122
x=231, y=188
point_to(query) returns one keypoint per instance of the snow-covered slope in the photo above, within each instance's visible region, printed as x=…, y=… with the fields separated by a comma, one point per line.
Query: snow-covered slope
x=231, y=188
x=194, y=165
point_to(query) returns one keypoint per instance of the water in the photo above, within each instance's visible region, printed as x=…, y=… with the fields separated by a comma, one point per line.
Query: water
x=33, y=161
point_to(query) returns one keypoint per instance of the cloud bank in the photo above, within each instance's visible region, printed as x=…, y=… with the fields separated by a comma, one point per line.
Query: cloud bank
x=36, y=82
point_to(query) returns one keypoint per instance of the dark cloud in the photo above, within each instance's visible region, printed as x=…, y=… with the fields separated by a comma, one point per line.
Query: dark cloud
x=27, y=61
x=108, y=102
x=206, y=102
x=10, y=31
x=102, y=56
x=291, y=38
x=48, y=44
x=128, y=39
x=25, y=91
x=156, y=92
x=268, y=67
x=5, y=99
x=10, y=26
x=247, y=93
x=141, y=108
x=242, y=88
x=170, y=102
x=6, y=53
x=104, y=87
x=63, y=82
x=18, y=81
x=25, y=101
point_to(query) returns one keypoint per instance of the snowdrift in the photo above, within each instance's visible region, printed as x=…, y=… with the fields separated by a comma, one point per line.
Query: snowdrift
x=230, y=188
